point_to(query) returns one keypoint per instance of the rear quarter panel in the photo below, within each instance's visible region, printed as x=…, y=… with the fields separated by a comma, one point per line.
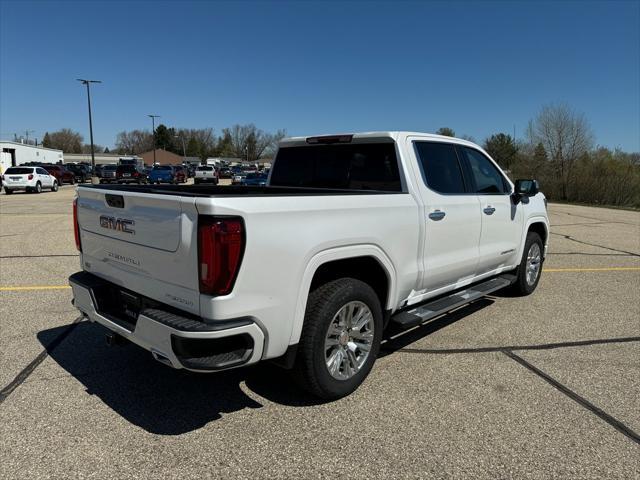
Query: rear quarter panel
x=285, y=233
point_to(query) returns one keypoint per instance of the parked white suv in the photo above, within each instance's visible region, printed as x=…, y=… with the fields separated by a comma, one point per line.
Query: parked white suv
x=30, y=179
x=352, y=234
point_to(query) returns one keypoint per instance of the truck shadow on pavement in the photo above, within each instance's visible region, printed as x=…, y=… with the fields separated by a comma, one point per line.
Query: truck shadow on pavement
x=165, y=401
x=157, y=398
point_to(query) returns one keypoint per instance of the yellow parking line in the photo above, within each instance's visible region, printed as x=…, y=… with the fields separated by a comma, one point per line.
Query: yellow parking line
x=605, y=269
x=34, y=287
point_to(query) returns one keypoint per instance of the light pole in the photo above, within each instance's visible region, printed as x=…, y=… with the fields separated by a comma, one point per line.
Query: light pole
x=153, y=126
x=94, y=179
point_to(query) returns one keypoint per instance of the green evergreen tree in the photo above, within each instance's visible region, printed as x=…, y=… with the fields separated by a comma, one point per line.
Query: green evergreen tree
x=446, y=131
x=502, y=148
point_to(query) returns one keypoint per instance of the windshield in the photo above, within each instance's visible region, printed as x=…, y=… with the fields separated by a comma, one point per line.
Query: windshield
x=162, y=167
x=19, y=171
x=109, y=167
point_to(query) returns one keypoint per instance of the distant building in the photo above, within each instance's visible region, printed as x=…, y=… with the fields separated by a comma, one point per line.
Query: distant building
x=193, y=160
x=101, y=158
x=163, y=157
x=15, y=153
x=223, y=161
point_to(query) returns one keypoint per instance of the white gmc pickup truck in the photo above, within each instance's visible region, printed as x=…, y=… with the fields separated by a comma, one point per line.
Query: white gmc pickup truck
x=352, y=234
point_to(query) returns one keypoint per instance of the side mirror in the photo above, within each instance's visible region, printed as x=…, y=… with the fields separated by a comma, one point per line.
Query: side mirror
x=525, y=189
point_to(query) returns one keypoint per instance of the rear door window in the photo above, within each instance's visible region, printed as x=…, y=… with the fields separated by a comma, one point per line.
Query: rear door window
x=41, y=171
x=364, y=166
x=440, y=167
x=18, y=171
x=486, y=177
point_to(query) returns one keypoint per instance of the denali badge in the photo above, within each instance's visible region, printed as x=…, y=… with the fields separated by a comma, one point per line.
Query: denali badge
x=119, y=224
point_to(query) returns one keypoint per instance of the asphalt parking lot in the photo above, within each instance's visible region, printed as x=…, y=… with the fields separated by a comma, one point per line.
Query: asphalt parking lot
x=540, y=387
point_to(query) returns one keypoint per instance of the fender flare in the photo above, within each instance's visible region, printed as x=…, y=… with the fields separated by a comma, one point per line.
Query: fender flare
x=339, y=253
x=529, y=222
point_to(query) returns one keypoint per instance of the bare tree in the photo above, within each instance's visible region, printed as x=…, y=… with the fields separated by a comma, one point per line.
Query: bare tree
x=249, y=142
x=86, y=148
x=66, y=140
x=134, y=142
x=565, y=136
x=200, y=142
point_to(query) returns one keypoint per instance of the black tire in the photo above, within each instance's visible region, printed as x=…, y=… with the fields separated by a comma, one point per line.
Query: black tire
x=522, y=287
x=8, y=191
x=196, y=181
x=38, y=188
x=73, y=180
x=310, y=370
x=54, y=187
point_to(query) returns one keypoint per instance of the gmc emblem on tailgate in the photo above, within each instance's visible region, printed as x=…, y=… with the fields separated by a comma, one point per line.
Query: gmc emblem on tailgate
x=118, y=224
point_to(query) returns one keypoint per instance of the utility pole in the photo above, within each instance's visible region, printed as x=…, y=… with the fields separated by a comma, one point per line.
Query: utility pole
x=26, y=134
x=94, y=179
x=153, y=127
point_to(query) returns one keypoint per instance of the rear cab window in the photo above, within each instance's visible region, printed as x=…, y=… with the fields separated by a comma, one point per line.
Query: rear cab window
x=352, y=166
x=440, y=167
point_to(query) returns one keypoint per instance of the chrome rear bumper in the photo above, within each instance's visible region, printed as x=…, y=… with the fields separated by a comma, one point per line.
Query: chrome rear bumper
x=175, y=340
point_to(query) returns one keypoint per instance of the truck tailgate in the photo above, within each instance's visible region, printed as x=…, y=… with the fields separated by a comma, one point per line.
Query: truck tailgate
x=142, y=241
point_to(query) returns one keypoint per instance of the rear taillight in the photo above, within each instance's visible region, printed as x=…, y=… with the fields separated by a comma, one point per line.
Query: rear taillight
x=30, y=177
x=220, y=248
x=76, y=227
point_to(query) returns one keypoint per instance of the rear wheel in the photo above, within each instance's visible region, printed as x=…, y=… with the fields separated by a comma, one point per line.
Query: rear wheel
x=8, y=191
x=530, y=268
x=38, y=188
x=54, y=187
x=340, y=338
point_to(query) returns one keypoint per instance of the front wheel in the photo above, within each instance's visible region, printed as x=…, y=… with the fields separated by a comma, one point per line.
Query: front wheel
x=340, y=338
x=530, y=268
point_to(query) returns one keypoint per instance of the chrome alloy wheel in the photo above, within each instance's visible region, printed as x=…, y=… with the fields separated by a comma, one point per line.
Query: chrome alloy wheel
x=349, y=339
x=534, y=262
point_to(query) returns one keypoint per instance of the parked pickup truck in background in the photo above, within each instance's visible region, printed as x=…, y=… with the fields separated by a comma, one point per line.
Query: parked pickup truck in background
x=353, y=234
x=204, y=174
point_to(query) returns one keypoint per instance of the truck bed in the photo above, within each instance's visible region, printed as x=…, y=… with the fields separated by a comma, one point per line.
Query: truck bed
x=234, y=190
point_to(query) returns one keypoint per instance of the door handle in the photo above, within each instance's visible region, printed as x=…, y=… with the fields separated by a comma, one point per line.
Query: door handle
x=437, y=215
x=489, y=210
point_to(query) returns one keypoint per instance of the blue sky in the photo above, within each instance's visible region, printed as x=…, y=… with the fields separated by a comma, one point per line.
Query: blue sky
x=312, y=68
